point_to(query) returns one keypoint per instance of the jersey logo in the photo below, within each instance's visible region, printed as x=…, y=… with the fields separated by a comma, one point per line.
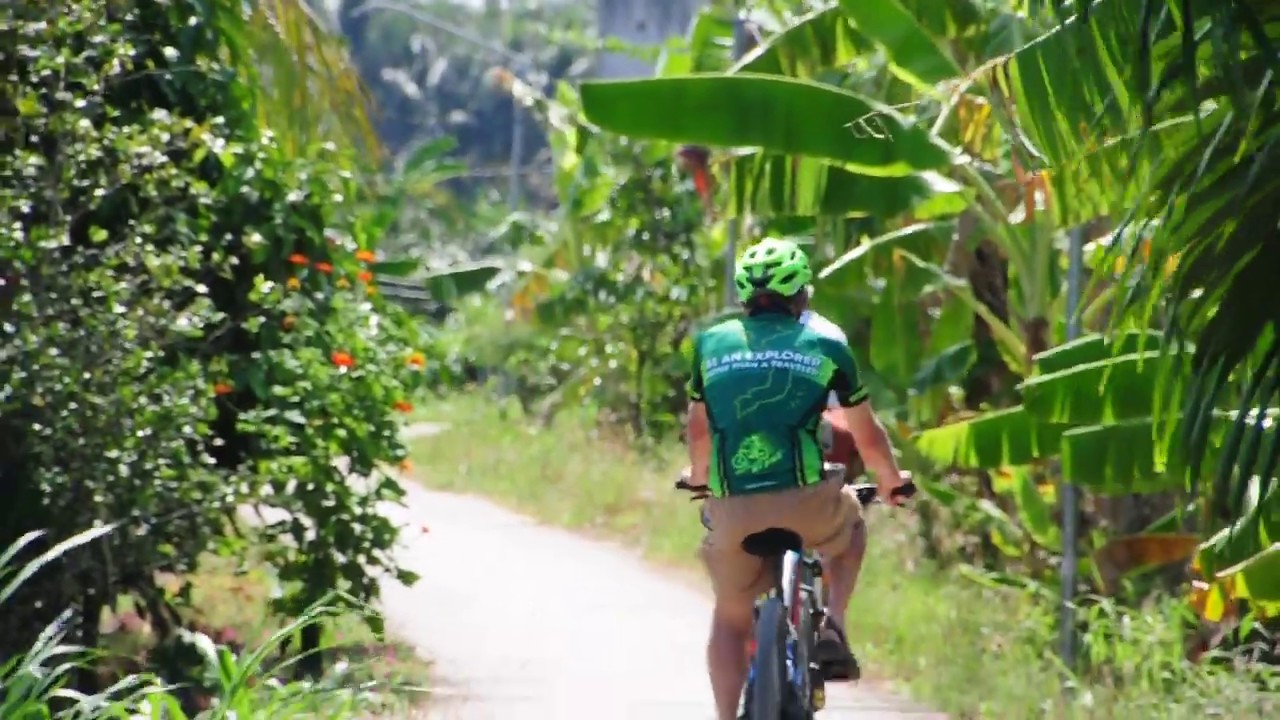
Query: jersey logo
x=755, y=455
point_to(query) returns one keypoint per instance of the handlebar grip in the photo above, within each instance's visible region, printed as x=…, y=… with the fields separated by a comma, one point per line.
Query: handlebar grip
x=866, y=492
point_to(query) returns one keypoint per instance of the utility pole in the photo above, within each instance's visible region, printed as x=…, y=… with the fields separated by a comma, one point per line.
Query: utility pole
x=514, y=185
x=1068, y=492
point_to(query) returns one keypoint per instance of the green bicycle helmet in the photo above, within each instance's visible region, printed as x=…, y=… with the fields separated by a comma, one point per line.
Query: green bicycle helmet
x=772, y=265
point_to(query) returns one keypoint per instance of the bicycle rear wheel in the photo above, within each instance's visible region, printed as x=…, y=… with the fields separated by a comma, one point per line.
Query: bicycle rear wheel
x=768, y=688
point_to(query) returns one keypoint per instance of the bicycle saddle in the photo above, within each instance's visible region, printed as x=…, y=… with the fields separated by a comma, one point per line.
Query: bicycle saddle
x=772, y=542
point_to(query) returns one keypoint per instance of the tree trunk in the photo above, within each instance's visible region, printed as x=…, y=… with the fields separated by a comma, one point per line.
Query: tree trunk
x=990, y=383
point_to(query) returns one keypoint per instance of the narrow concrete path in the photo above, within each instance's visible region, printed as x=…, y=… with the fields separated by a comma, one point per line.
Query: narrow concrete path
x=529, y=622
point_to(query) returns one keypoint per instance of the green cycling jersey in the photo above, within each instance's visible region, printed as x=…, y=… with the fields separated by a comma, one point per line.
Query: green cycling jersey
x=765, y=380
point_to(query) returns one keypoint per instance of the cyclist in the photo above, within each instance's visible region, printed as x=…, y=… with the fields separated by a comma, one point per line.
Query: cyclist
x=757, y=393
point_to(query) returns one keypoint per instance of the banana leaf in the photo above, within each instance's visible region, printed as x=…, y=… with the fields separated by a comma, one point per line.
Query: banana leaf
x=775, y=114
x=777, y=185
x=815, y=42
x=1130, y=386
x=913, y=54
x=992, y=440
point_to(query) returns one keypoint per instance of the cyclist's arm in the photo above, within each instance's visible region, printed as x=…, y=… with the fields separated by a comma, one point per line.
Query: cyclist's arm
x=697, y=426
x=868, y=434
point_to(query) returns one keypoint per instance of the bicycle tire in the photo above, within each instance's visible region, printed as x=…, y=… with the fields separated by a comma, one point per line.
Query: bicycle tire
x=802, y=706
x=769, y=686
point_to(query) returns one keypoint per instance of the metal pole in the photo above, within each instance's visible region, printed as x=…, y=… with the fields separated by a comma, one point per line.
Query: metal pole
x=1067, y=491
x=517, y=115
x=517, y=146
x=733, y=226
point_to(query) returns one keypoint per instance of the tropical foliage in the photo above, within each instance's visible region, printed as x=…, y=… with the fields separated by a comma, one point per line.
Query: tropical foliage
x=942, y=173
x=190, y=319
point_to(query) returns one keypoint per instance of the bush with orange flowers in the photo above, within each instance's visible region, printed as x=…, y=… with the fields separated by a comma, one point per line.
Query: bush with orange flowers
x=174, y=341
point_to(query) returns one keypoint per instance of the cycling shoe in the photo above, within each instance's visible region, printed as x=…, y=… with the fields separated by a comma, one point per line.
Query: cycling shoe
x=833, y=654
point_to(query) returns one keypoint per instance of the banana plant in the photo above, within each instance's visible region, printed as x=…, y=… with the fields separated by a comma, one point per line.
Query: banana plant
x=1108, y=410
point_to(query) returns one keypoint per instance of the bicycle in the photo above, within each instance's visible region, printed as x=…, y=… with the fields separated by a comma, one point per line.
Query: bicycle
x=784, y=679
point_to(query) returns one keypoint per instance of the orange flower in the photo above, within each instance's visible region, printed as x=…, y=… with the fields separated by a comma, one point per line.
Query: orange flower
x=417, y=360
x=324, y=267
x=403, y=405
x=288, y=322
x=343, y=283
x=405, y=465
x=222, y=388
x=342, y=359
x=365, y=275
x=293, y=283
x=298, y=259
x=364, y=255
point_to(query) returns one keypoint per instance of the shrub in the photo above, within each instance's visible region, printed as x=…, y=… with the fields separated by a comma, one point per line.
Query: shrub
x=188, y=321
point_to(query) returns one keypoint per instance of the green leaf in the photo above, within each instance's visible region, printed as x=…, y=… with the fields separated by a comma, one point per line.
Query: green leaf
x=916, y=238
x=395, y=268
x=1007, y=536
x=993, y=440
x=1005, y=581
x=709, y=47
x=427, y=152
x=1033, y=512
x=914, y=56
x=450, y=284
x=778, y=115
x=1255, y=531
x=1116, y=459
x=815, y=42
x=894, y=353
x=1094, y=348
x=1062, y=119
x=1258, y=578
x=945, y=368
x=1122, y=388
x=774, y=185
x=1012, y=350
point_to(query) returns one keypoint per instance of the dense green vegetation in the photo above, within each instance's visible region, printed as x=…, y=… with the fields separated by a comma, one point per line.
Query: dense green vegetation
x=190, y=329
x=941, y=161
x=964, y=648
x=205, y=213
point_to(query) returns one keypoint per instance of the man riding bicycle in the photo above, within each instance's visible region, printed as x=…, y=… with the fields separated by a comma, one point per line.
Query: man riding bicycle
x=757, y=393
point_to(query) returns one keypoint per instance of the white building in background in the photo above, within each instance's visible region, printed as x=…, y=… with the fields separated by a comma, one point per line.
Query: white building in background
x=640, y=22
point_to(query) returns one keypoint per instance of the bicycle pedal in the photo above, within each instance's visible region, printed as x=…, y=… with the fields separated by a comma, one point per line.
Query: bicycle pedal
x=819, y=698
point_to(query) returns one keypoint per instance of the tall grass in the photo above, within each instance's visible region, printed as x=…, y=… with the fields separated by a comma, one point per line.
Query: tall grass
x=969, y=650
x=39, y=684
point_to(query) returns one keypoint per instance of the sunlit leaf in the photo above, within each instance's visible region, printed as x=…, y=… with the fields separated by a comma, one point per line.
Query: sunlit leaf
x=992, y=440
x=775, y=114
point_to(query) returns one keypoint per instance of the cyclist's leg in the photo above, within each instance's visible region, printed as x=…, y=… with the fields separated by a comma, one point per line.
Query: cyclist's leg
x=830, y=519
x=736, y=579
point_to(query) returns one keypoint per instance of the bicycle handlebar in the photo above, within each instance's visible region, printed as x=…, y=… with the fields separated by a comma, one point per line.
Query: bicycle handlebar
x=867, y=493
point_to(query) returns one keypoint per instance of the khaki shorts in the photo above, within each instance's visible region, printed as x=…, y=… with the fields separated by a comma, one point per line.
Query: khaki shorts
x=825, y=516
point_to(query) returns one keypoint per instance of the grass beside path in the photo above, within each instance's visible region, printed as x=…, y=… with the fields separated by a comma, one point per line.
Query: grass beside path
x=230, y=601
x=969, y=651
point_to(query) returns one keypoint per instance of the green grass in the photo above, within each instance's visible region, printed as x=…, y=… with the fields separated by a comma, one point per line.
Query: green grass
x=227, y=594
x=232, y=663
x=970, y=651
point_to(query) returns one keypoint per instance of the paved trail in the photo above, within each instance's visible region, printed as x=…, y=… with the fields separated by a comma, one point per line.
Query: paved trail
x=590, y=633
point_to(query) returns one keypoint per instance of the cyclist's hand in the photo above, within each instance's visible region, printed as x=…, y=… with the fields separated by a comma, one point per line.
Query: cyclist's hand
x=886, y=487
x=702, y=492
